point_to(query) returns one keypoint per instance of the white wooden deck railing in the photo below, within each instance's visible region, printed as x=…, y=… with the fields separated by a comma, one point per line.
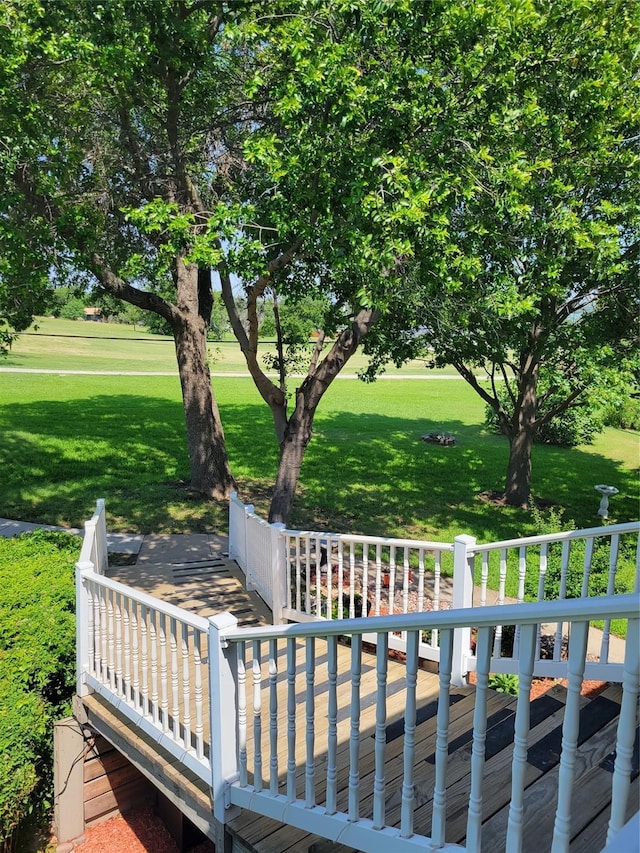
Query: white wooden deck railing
x=149, y=659
x=306, y=797
x=171, y=672
x=320, y=575
x=570, y=558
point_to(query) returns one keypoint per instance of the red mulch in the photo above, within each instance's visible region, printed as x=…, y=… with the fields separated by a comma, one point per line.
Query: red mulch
x=138, y=831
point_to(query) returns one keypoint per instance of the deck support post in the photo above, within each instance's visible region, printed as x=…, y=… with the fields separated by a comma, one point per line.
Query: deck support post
x=462, y=598
x=223, y=704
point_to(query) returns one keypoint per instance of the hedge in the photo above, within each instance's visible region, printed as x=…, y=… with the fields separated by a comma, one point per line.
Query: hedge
x=37, y=665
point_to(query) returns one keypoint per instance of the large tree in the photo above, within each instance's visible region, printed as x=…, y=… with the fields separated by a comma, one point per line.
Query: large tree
x=540, y=294
x=175, y=137
x=338, y=193
x=125, y=109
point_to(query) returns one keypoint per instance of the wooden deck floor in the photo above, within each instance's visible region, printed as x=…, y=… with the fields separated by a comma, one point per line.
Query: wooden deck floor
x=221, y=589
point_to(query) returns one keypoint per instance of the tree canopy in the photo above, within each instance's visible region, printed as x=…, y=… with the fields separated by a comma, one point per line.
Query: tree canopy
x=453, y=175
x=541, y=281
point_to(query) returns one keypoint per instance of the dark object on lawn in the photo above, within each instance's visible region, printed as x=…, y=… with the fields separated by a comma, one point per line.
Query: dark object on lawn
x=444, y=438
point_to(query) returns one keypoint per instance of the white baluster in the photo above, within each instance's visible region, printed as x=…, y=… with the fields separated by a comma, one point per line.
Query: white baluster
x=352, y=582
x=153, y=643
x=562, y=594
x=339, y=583
x=136, y=698
x=382, y=656
x=273, y=717
x=242, y=714
x=378, y=577
x=620, y=783
x=354, y=733
x=175, y=678
x=186, y=684
x=474, y=815
x=291, y=720
x=436, y=594
x=529, y=642
x=484, y=577
x=144, y=656
x=126, y=624
x=111, y=640
x=257, y=716
x=522, y=571
x=332, y=732
x=102, y=622
x=405, y=581
x=392, y=578
x=117, y=606
x=92, y=645
x=497, y=641
x=502, y=580
x=588, y=559
x=197, y=692
x=611, y=581
x=319, y=581
x=310, y=768
x=542, y=569
x=307, y=597
x=298, y=576
x=408, y=793
x=542, y=576
x=570, y=727
x=365, y=580
x=420, y=580
x=164, y=673
x=439, y=818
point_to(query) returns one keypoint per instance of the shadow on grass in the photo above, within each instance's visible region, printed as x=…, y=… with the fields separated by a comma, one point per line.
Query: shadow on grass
x=365, y=472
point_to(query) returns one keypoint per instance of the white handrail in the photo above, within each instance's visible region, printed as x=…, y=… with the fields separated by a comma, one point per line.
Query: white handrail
x=567, y=535
x=625, y=606
x=301, y=805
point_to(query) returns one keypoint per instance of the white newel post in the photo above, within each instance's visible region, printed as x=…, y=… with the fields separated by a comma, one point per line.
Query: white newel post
x=462, y=598
x=82, y=628
x=238, y=514
x=279, y=572
x=223, y=703
x=102, y=551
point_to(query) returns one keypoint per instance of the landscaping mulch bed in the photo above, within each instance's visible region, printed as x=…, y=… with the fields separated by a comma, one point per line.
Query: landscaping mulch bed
x=138, y=831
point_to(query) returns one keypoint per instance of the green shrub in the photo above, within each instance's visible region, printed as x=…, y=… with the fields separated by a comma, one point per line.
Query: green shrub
x=504, y=683
x=575, y=426
x=37, y=664
x=623, y=413
x=552, y=522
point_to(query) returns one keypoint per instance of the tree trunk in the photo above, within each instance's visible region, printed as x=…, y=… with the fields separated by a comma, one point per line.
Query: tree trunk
x=292, y=449
x=518, y=481
x=298, y=430
x=210, y=472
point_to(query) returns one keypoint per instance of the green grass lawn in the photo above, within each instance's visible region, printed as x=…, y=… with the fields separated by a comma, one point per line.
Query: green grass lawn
x=68, y=439
x=56, y=344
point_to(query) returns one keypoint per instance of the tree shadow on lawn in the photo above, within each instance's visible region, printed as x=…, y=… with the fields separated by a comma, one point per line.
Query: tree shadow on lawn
x=367, y=472
x=372, y=474
x=58, y=457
